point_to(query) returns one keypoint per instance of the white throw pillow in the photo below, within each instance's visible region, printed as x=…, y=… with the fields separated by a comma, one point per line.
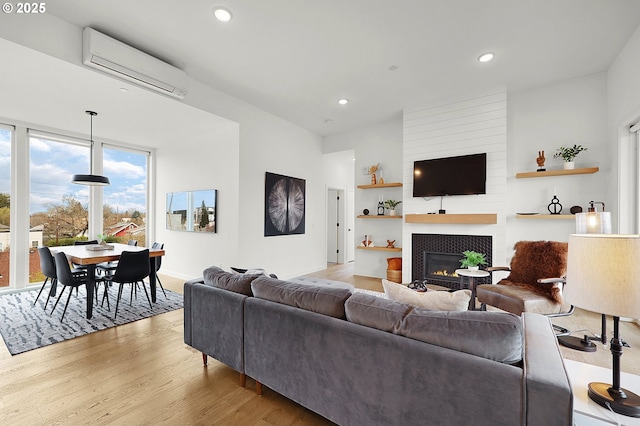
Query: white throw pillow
x=433, y=300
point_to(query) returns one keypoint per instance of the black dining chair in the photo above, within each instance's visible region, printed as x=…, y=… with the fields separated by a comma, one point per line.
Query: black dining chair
x=159, y=246
x=82, y=268
x=48, y=268
x=133, y=267
x=67, y=278
x=109, y=267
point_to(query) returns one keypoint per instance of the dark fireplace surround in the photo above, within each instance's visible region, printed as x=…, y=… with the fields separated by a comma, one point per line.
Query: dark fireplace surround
x=436, y=256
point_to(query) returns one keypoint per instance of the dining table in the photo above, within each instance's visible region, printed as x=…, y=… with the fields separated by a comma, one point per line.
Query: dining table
x=92, y=254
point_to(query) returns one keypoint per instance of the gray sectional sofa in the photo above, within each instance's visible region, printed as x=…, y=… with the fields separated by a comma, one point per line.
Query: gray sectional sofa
x=358, y=359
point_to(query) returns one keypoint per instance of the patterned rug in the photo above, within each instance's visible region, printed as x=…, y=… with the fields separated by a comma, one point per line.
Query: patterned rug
x=25, y=327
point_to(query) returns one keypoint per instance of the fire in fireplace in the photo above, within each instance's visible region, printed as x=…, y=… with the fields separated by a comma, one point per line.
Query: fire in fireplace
x=441, y=266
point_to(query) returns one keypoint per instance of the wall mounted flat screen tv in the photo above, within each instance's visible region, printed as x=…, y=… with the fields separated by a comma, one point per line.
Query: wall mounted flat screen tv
x=461, y=175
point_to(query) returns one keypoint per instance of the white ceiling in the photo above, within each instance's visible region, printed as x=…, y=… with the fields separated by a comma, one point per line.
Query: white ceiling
x=295, y=58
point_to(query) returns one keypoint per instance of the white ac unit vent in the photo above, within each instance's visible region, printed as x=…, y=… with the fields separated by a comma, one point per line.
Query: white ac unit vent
x=114, y=57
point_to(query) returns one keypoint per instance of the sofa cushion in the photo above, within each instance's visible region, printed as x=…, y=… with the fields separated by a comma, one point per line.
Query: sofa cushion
x=321, y=282
x=238, y=283
x=497, y=336
x=324, y=300
x=376, y=312
x=434, y=300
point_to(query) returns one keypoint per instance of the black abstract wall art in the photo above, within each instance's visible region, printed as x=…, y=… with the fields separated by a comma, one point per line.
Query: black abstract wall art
x=284, y=205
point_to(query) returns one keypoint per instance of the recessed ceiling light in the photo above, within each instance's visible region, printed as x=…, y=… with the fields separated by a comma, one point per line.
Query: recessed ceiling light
x=124, y=89
x=343, y=101
x=486, y=57
x=393, y=68
x=222, y=14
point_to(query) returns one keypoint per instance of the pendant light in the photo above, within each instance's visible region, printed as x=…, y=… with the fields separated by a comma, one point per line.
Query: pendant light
x=93, y=180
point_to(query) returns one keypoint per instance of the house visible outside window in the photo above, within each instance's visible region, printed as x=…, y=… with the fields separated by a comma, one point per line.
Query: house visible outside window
x=125, y=200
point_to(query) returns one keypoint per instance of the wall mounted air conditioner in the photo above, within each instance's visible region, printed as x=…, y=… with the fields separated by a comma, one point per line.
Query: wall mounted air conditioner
x=109, y=55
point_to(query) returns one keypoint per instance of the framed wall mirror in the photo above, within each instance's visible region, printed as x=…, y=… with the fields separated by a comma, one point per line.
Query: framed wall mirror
x=193, y=211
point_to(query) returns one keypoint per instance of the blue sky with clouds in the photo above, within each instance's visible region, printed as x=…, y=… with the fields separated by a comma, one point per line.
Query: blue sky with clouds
x=53, y=163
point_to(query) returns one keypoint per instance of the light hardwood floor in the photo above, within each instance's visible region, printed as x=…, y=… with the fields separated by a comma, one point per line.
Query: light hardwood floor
x=143, y=373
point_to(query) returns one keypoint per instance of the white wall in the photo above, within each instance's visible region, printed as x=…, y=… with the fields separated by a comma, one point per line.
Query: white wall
x=380, y=143
x=467, y=125
x=543, y=119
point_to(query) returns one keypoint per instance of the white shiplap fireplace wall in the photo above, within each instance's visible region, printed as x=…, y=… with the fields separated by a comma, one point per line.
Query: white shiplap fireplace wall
x=469, y=125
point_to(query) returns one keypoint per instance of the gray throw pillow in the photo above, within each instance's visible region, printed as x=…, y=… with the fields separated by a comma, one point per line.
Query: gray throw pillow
x=238, y=283
x=497, y=336
x=321, y=299
x=376, y=312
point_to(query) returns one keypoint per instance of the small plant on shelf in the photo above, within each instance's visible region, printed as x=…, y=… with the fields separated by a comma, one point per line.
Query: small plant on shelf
x=391, y=205
x=473, y=259
x=569, y=154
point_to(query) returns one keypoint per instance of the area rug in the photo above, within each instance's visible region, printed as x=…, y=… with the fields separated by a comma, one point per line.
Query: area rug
x=25, y=327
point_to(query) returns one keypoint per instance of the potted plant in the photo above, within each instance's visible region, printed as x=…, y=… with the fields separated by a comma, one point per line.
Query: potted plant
x=391, y=205
x=472, y=260
x=568, y=155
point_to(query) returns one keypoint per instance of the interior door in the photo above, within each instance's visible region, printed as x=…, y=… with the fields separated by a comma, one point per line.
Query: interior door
x=350, y=223
x=332, y=226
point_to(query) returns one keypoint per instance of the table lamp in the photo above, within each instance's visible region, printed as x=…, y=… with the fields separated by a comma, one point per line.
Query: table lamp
x=603, y=275
x=593, y=221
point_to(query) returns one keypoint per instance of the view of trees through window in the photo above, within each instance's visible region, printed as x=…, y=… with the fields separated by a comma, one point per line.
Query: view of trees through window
x=59, y=209
x=5, y=204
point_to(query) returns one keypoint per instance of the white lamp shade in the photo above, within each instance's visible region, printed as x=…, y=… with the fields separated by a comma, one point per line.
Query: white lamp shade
x=603, y=274
x=593, y=223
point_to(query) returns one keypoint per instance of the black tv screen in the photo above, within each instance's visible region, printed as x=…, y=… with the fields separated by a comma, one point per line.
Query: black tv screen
x=461, y=175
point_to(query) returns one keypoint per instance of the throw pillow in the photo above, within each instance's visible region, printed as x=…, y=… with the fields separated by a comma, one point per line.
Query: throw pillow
x=433, y=300
x=324, y=300
x=238, y=283
x=376, y=312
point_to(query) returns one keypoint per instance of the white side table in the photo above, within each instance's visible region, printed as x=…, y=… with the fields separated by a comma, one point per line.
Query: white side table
x=585, y=411
x=471, y=277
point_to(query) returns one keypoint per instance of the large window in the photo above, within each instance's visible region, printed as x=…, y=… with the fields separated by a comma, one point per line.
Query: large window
x=125, y=200
x=58, y=209
x=39, y=206
x=6, y=135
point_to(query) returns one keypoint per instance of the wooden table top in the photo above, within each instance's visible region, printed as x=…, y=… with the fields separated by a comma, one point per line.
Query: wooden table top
x=84, y=255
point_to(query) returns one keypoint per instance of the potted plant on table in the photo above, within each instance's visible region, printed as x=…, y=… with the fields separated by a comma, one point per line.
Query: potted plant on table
x=472, y=260
x=391, y=205
x=568, y=155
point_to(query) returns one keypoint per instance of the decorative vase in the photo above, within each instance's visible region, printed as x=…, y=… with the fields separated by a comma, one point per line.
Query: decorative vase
x=569, y=165
x=473, y=268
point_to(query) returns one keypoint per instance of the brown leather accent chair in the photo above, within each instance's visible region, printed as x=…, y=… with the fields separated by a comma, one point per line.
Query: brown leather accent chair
x=535, y=281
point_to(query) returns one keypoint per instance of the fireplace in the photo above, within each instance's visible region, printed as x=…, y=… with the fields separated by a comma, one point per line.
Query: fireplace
x=441, y=266
x=437, y=256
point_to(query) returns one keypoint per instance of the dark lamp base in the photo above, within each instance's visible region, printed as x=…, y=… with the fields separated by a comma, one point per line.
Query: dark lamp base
x=604, y=395
x=577, y=343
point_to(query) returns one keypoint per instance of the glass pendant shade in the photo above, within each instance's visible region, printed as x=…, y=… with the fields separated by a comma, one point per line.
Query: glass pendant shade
x=593, y=223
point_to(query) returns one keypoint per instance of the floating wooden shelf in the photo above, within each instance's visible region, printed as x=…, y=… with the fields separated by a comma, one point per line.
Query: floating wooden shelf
x=381, y=185
x=379, y=248
x=375, y=216
x=474, y=218
x=582, y=171
x=545, y=216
